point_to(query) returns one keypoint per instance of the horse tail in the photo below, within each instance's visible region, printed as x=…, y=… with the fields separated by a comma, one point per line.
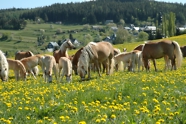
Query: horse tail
x=178, y=53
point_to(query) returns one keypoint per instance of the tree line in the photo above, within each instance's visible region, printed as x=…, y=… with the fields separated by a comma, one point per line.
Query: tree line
x=136, y=12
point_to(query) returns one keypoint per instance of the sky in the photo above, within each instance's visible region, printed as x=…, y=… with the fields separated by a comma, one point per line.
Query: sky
x=6, y=4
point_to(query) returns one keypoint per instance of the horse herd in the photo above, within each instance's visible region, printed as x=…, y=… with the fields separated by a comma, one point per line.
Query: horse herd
x=100, y=55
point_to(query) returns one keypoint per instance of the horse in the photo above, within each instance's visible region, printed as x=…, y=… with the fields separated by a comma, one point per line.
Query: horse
x=4, y=67
x=20, y=55
x=31, y=62
x=139, y=47
x=49, y=64
x=101, y=52
x=75, y=60
x=62, y=52
x=183, y=50
x=65, y=65
x=18, y=68
x=130, y=59
x=165, y=48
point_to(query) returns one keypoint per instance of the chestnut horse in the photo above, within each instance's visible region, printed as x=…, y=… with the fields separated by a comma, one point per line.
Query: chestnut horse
x=20, y=55
x=101, y=52
x=165, y=48
x=75, y=60
x=62, y=52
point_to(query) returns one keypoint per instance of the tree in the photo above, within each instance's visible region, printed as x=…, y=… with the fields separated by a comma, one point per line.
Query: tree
x=143, y=36
x=121, y=22
x=122, y=36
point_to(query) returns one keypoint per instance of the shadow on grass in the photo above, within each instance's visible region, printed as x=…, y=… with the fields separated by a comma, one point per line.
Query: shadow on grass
x=17, y=42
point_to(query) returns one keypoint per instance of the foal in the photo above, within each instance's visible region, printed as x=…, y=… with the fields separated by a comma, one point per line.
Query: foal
x=65, y=66
x=18, y=68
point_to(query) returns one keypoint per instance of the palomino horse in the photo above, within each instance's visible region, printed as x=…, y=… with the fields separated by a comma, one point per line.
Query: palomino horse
x=131, y=59
x=49, y=64
x=4, y=67
x=31, y=62
x=101, y=52
x=166, y=48
x=18, y=68
x=21, y=55
x=65, y=65
x=75, y=60
x=62, y=52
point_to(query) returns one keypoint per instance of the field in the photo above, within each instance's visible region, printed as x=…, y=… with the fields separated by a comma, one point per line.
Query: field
x=123, y=97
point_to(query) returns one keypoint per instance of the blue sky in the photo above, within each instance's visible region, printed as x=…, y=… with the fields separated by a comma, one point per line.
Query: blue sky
x=4, y=4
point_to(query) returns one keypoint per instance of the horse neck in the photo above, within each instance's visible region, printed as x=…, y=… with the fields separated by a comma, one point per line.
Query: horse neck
x=63, y=50
x=22, y=68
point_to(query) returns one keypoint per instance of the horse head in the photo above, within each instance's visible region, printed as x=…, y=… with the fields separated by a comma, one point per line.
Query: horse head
x=4, y=74
x=68, y=78
x=70, y=45
x=48, y=76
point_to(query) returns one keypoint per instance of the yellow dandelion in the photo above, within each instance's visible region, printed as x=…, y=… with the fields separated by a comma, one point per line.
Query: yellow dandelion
x=98, y=120
x=113, y=116
x=82, y=122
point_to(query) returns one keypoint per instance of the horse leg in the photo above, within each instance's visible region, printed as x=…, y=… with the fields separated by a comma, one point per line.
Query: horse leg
x=154, y=63
x=98, y=69
x=89, y=72
x=32, y=73
x=61, y=77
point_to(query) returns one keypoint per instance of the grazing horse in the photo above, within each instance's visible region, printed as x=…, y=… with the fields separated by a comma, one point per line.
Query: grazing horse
x=183, y=50
x=49, y=64
x=139, y=47
x=101, y=52
x=130, y=59
x=75, y=60
x=65, y=65
x=62, y=52
x=165, y=48
x=18, y=68
x=31, y=62
x=21, y=55
x=4, y=67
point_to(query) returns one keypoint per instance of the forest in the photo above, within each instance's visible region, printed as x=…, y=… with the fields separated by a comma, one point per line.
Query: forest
x=136, y=12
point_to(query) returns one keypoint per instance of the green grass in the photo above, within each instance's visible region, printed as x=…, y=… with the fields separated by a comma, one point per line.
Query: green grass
x=123, y=97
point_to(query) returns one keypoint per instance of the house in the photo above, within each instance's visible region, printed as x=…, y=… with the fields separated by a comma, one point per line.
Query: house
x=109, y=21
x=76, y=42
x=114, y=29
x=150, y=29
x=52, y=46
x=110, y=38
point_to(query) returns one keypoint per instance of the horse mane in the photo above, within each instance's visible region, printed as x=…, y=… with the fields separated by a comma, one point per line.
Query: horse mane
x=30, y=53
x=88, y=48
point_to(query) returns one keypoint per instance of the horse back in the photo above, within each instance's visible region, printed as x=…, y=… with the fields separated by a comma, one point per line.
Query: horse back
x=105, y=49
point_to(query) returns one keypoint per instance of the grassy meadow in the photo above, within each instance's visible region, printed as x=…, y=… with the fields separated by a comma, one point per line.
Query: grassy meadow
x=121, y=98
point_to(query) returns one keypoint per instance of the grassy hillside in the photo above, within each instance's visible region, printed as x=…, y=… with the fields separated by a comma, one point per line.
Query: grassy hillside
x=123, y=97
